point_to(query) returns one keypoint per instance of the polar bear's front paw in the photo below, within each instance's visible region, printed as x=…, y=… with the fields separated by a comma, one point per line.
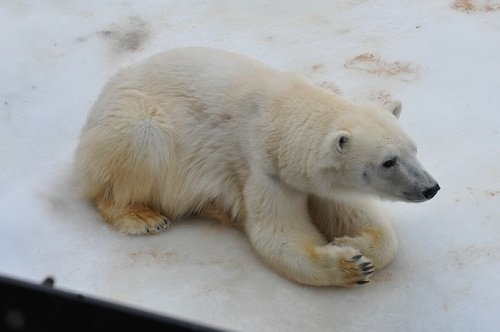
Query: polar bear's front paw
x=355, y=270
x=346, y=266
x=340, y=266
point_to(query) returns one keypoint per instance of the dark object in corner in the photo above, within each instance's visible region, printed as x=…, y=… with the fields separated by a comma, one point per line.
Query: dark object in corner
x=29, y=307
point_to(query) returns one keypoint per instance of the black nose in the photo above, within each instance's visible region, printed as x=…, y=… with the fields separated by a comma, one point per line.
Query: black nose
x=429, y=193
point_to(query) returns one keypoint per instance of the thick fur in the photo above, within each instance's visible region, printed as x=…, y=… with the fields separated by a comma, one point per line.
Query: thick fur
x=206, y=132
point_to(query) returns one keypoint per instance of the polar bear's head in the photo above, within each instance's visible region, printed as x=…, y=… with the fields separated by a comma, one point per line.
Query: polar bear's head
x=369, y=153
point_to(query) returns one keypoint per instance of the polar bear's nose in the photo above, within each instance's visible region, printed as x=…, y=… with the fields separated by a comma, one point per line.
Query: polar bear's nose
x=430, y=192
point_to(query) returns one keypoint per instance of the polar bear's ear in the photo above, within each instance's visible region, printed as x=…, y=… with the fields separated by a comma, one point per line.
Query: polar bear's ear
x=335, y=143
x=395, y=108
x=341, y=140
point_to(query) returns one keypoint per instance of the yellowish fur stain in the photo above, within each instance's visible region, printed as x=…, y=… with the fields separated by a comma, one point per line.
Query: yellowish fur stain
x=114, y=215
x=374, y=233
x=311, y=252
x=214, y=212
x=350, y=270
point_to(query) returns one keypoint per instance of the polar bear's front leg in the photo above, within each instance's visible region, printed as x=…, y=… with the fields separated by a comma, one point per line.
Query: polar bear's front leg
x=279, y=229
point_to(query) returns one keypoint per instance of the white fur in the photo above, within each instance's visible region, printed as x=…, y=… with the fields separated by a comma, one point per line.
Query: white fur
x=208, y=132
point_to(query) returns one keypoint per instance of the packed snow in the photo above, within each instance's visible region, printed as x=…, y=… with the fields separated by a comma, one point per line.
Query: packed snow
x=440, y=58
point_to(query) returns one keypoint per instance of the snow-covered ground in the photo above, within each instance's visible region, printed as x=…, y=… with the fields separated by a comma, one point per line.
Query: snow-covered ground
x=441, y=58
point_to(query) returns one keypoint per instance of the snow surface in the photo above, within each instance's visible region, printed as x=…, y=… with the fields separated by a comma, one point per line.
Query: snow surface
x=441, y=58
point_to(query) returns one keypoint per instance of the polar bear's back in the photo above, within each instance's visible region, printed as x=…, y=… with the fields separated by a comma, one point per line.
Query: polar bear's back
x=206, y=74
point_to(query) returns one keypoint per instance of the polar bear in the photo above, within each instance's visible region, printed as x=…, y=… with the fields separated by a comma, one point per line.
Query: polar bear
x=206, y=132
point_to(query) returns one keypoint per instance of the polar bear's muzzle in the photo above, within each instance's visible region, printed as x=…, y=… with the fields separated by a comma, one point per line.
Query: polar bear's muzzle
x=431, y=192
x=423, y=187
x=424, y=195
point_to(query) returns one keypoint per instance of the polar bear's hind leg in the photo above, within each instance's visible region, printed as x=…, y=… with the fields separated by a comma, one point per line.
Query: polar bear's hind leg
x=122, y=160
x=132, y=219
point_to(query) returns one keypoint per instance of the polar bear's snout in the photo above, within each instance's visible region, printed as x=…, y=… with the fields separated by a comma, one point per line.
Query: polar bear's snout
x=424, y=190
x=431, y=192
x=427, y=187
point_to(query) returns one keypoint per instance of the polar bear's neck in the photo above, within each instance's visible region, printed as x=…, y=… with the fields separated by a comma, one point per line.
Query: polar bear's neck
x=299, y=122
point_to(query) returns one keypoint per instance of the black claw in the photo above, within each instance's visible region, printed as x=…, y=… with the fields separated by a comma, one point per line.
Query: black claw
x=367, y=268
x=49, y=282
x=362, y=282
x=356, y=258
x=363, y=265
x=366, y=273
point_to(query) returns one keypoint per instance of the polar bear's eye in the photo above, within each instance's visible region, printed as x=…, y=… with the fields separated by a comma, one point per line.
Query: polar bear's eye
x=389, y=163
